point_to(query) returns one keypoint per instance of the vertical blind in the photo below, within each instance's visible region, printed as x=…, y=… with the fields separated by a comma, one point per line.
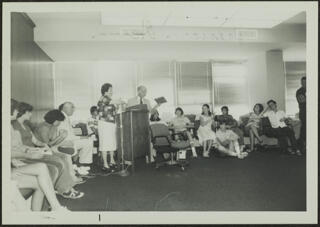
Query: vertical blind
x=294, y=72
x=194, y=85
x=185, y=84
x=230, y=88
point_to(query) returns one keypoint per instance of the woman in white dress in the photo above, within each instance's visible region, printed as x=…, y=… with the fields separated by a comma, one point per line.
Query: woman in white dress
x=107, y=127
x=205, y=133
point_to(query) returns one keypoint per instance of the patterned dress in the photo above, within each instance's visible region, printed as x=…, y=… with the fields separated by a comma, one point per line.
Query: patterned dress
x=107, y=111
x=254, y=120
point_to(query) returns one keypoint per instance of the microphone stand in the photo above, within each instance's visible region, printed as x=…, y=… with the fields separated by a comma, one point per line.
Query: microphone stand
x=123, y=172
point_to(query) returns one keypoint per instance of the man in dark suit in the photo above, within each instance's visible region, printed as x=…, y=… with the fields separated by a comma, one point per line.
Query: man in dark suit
x=302, y=101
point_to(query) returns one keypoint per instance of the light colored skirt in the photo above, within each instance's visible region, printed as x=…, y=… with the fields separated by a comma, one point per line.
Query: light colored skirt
x=205, y=133
x=107, y=136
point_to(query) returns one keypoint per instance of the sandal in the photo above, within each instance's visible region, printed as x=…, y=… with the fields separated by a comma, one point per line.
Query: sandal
x=72, y=194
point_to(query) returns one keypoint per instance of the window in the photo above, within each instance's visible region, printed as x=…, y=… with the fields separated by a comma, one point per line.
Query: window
x=293, y=71
x=194, y=86
x=230, y=88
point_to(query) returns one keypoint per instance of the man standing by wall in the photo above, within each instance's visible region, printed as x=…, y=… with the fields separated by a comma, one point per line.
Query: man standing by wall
x=302, y=101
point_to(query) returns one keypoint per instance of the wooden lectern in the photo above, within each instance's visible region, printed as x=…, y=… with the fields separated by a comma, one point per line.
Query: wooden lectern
x=133, y=135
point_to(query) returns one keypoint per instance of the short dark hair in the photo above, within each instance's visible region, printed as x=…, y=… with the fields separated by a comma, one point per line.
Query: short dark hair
x=271, y=101
x=105, y=87
x=180, y=109
x=303, y=78
x=152, y=117
x=225, y=107
x=14, y=105
x=23, y=108
x=209, y=112
x=54, y=115
x=61, y=106
x=93, y=109
x=260, y=107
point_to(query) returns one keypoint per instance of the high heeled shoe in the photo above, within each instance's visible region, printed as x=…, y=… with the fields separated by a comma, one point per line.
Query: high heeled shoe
x=107, y=169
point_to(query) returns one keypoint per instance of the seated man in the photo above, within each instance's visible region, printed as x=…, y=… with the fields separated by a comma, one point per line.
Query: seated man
x=82, y=145
x=279, y=129
x=231, y=124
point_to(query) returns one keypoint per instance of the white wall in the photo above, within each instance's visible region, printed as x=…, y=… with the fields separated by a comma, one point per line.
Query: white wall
x=266, y=78
x=276, y=78
x=80, y=83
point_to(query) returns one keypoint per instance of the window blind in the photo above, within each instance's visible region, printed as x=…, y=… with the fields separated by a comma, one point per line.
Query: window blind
x=194, y=85
x=230, y=88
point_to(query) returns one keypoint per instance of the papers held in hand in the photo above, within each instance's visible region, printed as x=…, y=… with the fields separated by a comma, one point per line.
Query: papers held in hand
x=161, y=100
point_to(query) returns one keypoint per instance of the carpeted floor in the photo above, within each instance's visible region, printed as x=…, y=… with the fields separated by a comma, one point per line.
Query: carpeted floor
x=264, y=181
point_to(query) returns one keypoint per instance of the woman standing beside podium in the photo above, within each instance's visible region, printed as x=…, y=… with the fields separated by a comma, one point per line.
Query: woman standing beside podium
x=107, y=127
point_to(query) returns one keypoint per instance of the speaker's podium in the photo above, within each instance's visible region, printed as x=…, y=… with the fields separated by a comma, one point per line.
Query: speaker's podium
x=133, y=135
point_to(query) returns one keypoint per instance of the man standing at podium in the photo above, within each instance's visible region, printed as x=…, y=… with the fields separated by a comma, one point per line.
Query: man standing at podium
x=140, y=99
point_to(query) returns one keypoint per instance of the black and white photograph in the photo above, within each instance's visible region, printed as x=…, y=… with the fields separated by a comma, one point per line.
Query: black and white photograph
x=159, y=112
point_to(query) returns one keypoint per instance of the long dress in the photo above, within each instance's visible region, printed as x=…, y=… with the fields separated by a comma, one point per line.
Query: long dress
x=205, y=132
x=106, y=125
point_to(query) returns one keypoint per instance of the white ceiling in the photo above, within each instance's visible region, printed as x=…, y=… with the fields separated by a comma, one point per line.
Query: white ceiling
x=166, y=16
x=183, y=15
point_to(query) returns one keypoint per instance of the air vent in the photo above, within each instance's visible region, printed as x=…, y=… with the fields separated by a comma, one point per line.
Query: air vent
x=246, y=34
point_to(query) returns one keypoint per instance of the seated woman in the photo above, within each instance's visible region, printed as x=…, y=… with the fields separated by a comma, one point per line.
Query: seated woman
x=35, y=176
x=205, y=133
x=155, y=119
x=254, y=123
x=231, y=124
x=47, y=132
x=29, y=143
x=179, y=124
x=228, y=142
x=92, y=124
x=93, y=121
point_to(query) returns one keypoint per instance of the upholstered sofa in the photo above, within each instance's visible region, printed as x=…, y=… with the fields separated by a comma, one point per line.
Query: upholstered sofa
x=263, y=132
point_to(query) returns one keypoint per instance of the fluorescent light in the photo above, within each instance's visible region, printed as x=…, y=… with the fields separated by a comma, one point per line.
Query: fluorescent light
x=246, y=23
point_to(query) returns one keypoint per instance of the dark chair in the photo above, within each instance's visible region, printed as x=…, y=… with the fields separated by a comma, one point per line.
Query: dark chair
x=163, y=143
x=83, y=127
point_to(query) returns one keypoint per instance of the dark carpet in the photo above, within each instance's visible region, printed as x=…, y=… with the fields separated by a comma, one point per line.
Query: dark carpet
x=264, y=181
